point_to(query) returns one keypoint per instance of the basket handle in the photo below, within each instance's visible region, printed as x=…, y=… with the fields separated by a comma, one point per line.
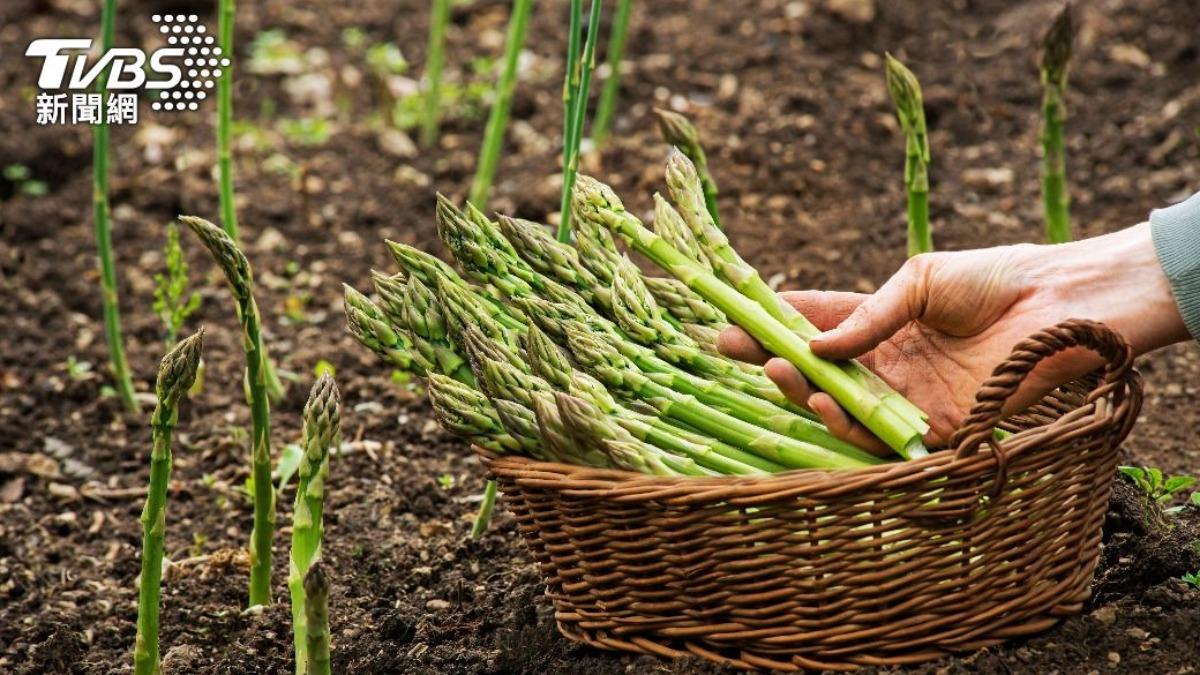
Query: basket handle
x=988, y=410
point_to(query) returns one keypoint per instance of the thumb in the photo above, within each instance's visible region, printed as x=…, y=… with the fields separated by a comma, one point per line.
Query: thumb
x=898, y=302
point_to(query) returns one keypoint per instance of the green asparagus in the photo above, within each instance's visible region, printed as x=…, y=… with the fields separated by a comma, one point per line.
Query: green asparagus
x=902, y=432
x=910, y=110
x=679, y=132
x=1056, y=54
x=316, y=622
x=175, y=377
x=240, y=279
x=322, y=425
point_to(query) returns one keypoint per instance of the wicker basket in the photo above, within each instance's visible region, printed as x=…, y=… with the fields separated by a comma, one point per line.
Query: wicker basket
x=895, y=564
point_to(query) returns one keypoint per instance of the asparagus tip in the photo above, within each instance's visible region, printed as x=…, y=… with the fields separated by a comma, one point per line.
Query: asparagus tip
x=1056, y=46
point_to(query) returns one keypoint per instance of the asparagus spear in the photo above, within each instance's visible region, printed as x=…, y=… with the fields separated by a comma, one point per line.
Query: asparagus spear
x=465, y=411
x=489, y=258
x=902, y=432
x=704, y=335
x=241, y=285
x=637, y=315
x=590, y=427
x=669, y=225
x=679, y=132
x=683, y=303
x=429, y=269
x=463, y=307
x=322, y=425
x=367, y=323
x=910, y=110
x=559, y=321
x=609, y=366
x=414, y=306
x=545, y=254
x=175, y=376
x=550, y=363
x=555, y=436
x=1056, y=53
x=316, y=613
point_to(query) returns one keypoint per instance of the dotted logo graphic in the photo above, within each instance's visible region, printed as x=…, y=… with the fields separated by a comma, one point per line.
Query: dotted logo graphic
x=202, y=61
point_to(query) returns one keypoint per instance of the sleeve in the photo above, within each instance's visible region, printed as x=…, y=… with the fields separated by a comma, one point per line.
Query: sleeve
x=1176, y=233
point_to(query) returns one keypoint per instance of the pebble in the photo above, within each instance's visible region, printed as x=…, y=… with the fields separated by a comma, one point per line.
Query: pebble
x=1106, y=615
x=1114, y=658
x=1137, y=633
x=988, y=178
x=437, y=604
x=859, y=12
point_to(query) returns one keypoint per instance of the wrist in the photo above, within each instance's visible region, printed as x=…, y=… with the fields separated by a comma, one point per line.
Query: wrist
x=1115, y=279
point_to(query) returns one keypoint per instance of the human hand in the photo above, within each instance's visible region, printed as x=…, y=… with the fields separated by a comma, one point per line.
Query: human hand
x=939, y=326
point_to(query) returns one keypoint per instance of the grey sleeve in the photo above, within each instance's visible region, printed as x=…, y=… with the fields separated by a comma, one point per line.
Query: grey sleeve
x=1176, y=233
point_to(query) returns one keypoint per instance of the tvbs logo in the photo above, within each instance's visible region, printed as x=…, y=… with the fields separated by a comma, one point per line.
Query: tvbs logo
x=175, y=77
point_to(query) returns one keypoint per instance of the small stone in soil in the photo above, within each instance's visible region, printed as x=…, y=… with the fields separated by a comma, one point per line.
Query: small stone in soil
x=437, y=605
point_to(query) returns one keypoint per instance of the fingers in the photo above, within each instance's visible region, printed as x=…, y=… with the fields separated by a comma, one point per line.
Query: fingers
x=789, y=380
x=825, y=309
x=737, y=344
x=845, y=427
x=899, y=301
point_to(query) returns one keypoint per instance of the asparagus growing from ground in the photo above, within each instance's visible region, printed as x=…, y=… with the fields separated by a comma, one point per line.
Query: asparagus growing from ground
x=316, y=619
x=493, y=138
x=679, y=132
x=1056, y=54
x=910, y=110
x=435, y=59
x=102, y=227
x=175, y=377
x=606, y=107
x=241, y=285
x=368, y=324
x=322, y=425
x=575, y=100
x=225, y=19
x=899, y=431
x=685, y=189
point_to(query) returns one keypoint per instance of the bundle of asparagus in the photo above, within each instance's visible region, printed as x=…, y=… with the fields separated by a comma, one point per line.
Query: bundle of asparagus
x=570, y=354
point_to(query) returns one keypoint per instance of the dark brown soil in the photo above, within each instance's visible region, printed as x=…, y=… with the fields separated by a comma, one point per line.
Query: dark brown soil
x=790, y=100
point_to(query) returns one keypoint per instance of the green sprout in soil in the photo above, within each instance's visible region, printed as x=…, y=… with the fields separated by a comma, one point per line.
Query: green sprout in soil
x=1192, y=579
x=493, y=137
x=576, y=87
x=606, y=107
x=240, y=279
x=175, y=376
x=316, y=621
x=679, y=132
x=435, y=60
x=172, y=302
x=322, y=424
x=1056, y=55
x=306, y=131
x=22, y=177
x=122, y=380
x=910, y=110
x=1154, y=484
x=225, y=17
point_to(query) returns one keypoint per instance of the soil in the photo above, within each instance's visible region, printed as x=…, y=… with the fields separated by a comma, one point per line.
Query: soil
x=790, y=100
